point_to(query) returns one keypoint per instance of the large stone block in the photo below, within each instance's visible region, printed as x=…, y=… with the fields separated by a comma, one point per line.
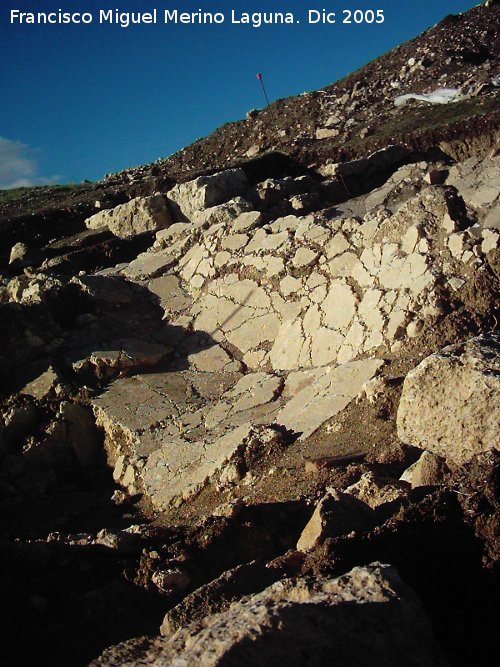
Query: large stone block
x=206, y=191
x=450, y=401
x=142, y=214
x=366, y=617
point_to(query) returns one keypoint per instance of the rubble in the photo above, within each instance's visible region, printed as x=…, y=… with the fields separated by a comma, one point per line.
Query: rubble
x=376, y=491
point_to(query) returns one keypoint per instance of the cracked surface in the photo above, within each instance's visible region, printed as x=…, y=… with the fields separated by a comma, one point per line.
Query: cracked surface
x=299, y=312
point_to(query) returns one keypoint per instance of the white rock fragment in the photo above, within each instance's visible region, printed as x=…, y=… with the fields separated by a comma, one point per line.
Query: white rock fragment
x=490, y=240
x=206, y=191
x=304, y=257
x=339, y=306
x=142, y=214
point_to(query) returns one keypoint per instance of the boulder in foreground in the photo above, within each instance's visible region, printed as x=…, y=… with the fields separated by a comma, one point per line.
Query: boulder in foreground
x=366, y=617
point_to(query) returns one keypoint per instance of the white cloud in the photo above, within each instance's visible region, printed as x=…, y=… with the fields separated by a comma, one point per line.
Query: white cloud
x=18, y=167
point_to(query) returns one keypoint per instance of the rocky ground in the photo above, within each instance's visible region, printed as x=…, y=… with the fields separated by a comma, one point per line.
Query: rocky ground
x=249, y=394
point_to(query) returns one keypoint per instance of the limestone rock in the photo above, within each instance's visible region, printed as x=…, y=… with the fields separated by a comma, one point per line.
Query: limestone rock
x=107, y=290
x=376, y=491
x=304, y=257
x=129, y=353
x=43, y=385
x=132, y=406
x=211, y=359
x=34, y=289
x=303, y=203
x=366, y=617
x=178, y=470
x=478, y=182
x=363, y=285
x=253, y=150
x=436, y=176
x=20, y=421
x=168, y=290
x=386, y=158
x=122, y=541
x=242, y=580
x=375, y=391
x=333, y=120
x=170, y=579
x=170, y=235
x=336, y=514
x=246, y=221
x=18, y=253
x=158, y=445
x=449, y=404
x=206, y=191
x=490, y=240
x=148, y=265
x=429, y=470
x=325, y=396
x=327, y=133
x=222, y=213
x=142, y=214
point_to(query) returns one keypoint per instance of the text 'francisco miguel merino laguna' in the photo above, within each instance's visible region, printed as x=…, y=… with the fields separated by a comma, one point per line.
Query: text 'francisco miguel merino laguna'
x=174, y=16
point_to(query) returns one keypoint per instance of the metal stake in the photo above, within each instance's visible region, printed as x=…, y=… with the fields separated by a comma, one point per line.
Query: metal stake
x=259, y=76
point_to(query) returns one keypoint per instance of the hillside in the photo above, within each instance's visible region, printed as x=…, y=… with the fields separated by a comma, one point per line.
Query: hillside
x=249, y=393
x=358, y=112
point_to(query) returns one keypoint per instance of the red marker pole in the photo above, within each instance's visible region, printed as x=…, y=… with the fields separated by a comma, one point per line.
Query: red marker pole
x=259, y=76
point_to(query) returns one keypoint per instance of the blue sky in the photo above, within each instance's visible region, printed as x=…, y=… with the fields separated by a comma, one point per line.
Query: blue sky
x=79, y=102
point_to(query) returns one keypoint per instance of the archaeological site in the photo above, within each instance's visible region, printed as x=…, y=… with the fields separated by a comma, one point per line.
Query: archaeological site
x=250, y=392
